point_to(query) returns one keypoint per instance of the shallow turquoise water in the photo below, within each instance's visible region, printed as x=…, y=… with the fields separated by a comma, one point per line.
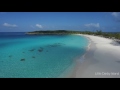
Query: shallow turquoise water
x=41, y=56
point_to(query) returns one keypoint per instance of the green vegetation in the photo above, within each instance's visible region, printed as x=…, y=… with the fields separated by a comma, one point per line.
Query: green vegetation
x=54, y=32
x=97, y=32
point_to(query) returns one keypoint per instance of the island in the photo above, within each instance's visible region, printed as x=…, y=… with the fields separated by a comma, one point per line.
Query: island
x=53, y=32
x=110, y=35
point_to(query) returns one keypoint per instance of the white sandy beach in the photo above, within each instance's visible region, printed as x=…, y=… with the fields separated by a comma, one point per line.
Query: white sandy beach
x=102, y=60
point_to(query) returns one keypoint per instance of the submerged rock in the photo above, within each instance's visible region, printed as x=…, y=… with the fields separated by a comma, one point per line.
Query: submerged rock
x=23, y=59
x=23, y=52
x=10, y=56
x=40, y=50
x=33, y=56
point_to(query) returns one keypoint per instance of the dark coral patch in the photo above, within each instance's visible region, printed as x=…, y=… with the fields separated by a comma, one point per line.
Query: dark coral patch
x=40, y=50
x=10, y=56
x=23, y=59
x=33, y=56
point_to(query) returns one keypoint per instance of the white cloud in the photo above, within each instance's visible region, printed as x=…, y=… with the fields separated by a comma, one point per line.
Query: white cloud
x=39, y=26
x=9, y=25
x=115, y=14
x=92, y=25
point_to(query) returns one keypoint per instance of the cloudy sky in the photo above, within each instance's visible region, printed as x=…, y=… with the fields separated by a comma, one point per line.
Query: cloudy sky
x=31, y=21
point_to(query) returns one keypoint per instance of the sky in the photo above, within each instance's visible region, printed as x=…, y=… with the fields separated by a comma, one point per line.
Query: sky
x=78, y=21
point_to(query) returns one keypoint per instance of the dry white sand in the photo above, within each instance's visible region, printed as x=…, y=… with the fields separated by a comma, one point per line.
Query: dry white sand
x=102, y=60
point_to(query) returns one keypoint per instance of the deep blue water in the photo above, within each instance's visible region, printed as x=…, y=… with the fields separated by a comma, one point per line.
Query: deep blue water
x=38, y=56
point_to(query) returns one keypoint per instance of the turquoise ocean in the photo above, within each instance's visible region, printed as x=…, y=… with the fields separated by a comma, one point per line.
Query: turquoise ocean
x=38, y=56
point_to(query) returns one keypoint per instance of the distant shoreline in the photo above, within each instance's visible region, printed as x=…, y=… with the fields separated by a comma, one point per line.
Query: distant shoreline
x=111, y=35
x=51, y=32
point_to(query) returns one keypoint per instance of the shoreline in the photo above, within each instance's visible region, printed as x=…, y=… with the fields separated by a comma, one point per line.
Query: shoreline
x=101, y=60
x=71, y=70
